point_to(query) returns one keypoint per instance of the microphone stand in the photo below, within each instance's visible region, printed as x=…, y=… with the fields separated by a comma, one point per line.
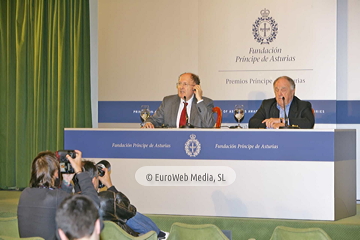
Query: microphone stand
x=187, y=124
x=287, y=126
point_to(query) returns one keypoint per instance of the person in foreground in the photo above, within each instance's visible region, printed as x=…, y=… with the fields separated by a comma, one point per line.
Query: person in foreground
x=38, y=203
x=190, y=94
x=116, y=207
x=78, y=218
x=271, y=112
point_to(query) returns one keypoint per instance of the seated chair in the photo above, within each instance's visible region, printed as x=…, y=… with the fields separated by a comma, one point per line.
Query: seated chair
x=288, y=233
x=9, y=227
x=218, y=112
x=180, y=231
x=112, y=231
x=18, y=238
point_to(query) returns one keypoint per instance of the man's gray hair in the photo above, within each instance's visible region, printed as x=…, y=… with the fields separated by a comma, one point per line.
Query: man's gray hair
x=292, y=83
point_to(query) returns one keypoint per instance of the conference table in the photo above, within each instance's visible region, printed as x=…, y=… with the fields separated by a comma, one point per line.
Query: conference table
x=253, y=173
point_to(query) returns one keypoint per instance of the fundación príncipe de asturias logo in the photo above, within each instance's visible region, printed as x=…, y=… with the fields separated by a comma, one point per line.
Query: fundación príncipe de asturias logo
x=265, y=28
x=192, y=146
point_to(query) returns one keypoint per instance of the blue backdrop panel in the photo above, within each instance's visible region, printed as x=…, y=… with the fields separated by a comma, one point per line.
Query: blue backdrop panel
x=325, y=110
x=348, y=112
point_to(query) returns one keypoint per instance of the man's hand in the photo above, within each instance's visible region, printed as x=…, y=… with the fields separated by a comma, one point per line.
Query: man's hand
x=278, y=125
x=198, y=92
x=148, y=125
x=106, y=180
x=76, y=162
x=67, y=178
x=273, y=123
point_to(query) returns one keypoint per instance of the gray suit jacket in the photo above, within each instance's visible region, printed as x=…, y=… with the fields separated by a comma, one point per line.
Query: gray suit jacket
x=201, y=115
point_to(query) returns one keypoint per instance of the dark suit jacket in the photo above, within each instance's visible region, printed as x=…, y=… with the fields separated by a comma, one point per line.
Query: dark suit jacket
x=201, y=115
x=37, y=208
x=300, y=113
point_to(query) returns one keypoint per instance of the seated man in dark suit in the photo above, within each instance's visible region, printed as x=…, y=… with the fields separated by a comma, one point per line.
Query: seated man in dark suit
x=198, y=108
x=271, y=112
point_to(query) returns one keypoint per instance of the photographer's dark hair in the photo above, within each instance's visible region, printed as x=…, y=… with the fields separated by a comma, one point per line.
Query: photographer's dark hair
x=76, y=216
x=43, y=170
x=90, y=168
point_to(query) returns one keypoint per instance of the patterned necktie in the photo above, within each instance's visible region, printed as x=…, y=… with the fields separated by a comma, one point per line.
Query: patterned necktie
x=182, y=121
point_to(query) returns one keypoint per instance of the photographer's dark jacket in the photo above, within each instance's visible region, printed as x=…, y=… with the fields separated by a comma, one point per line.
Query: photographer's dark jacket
x=116, y=207
x=37, y=208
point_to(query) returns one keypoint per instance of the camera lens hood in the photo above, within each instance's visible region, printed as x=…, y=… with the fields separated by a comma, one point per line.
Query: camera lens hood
x=104, y=164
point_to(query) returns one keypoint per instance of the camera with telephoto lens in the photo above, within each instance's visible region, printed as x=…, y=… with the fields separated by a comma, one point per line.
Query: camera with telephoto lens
x=65, y=165
x=100, y=165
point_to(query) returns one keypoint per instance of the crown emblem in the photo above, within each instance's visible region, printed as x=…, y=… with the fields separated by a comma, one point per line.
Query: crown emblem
x=265, y=28
x=192, y=146
x=265, y=12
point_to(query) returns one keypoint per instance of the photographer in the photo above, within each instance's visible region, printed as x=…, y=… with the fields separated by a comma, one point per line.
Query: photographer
x=124, y=214
x=38, y=203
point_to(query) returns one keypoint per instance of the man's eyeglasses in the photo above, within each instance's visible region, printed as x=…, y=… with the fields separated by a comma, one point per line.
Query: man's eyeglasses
x=183, y=84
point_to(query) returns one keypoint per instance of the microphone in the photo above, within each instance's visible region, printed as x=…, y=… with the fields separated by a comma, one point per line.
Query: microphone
x=286, y=119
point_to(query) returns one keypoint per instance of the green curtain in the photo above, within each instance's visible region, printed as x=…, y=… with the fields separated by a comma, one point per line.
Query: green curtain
x=44, y=80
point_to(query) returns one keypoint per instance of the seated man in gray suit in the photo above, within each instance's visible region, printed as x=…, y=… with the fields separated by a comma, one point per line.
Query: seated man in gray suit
x=171, y=112
x=271, y=112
